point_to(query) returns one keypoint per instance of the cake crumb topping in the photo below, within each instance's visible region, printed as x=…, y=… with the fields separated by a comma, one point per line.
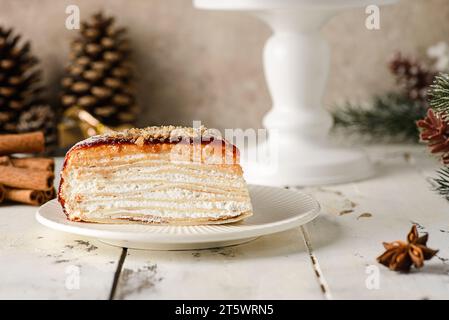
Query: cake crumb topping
x=162, y=133
x=140, y=141
x=154, y=134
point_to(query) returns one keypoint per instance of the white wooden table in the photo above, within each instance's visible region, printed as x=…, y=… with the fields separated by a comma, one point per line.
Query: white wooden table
x=332, y=257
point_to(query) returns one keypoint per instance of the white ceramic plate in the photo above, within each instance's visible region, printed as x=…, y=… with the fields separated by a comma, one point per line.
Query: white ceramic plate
x=275, y=209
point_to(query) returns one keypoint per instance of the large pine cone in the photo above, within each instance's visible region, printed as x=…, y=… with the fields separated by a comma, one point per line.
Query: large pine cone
x=99, y=75
x=19, y=80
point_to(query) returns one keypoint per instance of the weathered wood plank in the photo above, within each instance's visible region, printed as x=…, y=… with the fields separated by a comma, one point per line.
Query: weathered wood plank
x=38, y=263
x=347, y=238
x=271, y=267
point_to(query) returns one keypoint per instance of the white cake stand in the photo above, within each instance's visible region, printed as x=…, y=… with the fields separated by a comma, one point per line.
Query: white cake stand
x=296, y=64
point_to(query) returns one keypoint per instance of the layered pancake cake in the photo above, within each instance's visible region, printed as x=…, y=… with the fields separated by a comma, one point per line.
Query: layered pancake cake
x=156, y=175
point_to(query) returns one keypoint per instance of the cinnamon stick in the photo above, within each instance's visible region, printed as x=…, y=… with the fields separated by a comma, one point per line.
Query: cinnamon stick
x=5, y=161
x=33, y=197
x=50, y=194
x=34, y=163
x=22, y=143
x=2, y=193
x=25, y=178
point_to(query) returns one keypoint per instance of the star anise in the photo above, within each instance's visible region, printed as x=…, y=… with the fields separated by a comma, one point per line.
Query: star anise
x=401, y=255
x=434, y=130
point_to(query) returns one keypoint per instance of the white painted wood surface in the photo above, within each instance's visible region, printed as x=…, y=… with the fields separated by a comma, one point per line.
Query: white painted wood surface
x=346, y=242
x=39, y=263
x=271, y=267
x=328, y=258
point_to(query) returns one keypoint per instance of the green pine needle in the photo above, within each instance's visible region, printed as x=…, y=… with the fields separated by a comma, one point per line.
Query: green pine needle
x=439, y=101
x=439, y=94
x=442, y=182
x=390, y=117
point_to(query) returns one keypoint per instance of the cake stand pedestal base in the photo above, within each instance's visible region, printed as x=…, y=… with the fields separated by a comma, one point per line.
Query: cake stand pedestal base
x=316, y=166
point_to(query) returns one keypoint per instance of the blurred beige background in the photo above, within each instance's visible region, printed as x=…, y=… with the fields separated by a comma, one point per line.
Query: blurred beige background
x=206, y=65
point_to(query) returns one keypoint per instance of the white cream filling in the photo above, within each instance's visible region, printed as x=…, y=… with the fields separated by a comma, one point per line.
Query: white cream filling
x=128, y=191
x=143, y=204
x=152, y=166
x=172, y=194
x=128, y=181
x=140, y=171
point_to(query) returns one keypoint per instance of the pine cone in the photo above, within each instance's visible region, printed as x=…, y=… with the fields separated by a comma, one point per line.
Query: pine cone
x=99, y=75
x=413, y=77
x=39, y=117
x=434, y=130
x=19, y=82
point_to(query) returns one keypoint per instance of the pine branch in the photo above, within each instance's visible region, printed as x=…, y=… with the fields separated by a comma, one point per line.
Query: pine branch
x=442, y=182
x=390, y=117
x=439, y=102
x=439, y=94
